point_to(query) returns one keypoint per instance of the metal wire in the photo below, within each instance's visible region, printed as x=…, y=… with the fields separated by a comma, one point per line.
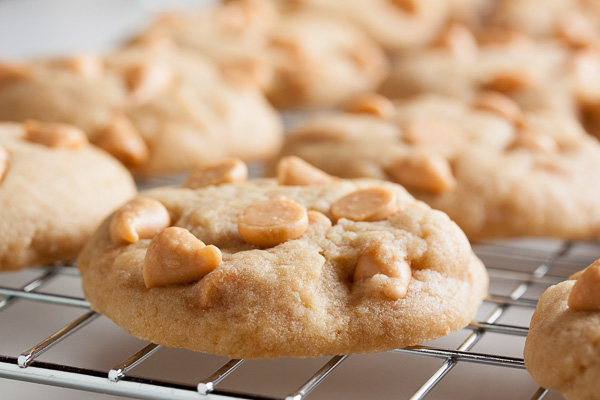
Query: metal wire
x=502, y=261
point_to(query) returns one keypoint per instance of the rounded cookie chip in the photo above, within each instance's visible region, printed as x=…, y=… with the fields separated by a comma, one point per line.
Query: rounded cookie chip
x=55, y=189
x=562, y=351
x=299, y=56
x=156, y=109
x=262, y=270
x=495, y=169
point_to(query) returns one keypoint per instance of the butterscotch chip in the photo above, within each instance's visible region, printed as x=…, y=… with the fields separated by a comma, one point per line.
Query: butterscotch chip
x=318, y=223
x=226, y=171
x=383, y=260
x=294, y=171
x=382, y=263
x=239, y=78
x=272, y=222
x=248, y=72
x=52, y=200
x=141, y=218
x=146, y=81
x=12, y=72
x=291, y=48
x=511, y=81
x=585, y=294
x=503, y=36
x=408, y=6
x=584, y=68
x=372, y=204
x=460, y=41
x=423, y=171
x=362, y=57
x=155, y=39
x=500, y=104
x=562, y=350
x=534, y=141
x=55, y=135
x=575, y=30
x=433, y=133
x=326, y=135
x=3, y=162
x=87, y=65
x=240, y=15
x=372, y=103
x=176, y=257
x=121, y=139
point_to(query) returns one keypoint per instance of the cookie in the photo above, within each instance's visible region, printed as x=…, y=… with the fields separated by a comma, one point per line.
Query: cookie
x=304, y=266
x=575, y=22
x=471, y=13
x=158, y=109
x=495, y=169
x=299, y=56
x=55, y=189
x=403, y=25
x=396, y=25
x=538, y=75
x=562, y=351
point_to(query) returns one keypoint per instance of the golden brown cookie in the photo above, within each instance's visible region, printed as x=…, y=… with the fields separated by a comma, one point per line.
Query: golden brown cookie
x=538, y=75
x=575, y=22
x=547, y=74
x=495, y=169
x=395, y=24
x=262, y=269
x=299, y=56
x=55, y=189
x=562, y=351
x=157, y=109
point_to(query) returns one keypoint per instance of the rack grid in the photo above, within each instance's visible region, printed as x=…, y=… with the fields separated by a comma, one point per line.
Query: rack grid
x=519, y=272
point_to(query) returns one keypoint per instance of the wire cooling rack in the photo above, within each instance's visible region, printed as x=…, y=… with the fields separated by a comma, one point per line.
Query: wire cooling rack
x=492, y=343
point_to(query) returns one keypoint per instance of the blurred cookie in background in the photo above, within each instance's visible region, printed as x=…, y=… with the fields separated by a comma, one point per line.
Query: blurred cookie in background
x=298, y=55
x=496, y=170
x=55, y=188
x=537, y=74
x=158, y=109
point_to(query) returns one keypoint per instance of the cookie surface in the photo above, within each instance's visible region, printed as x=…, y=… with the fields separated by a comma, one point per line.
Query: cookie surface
x=396, y=25
x=302, y=297
x=538, y=75
x=544, y=74
x=494, y=169
x=55, y=189
x=157, y=109
x=562, y=350
x=299, y=57
x=575, y=21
